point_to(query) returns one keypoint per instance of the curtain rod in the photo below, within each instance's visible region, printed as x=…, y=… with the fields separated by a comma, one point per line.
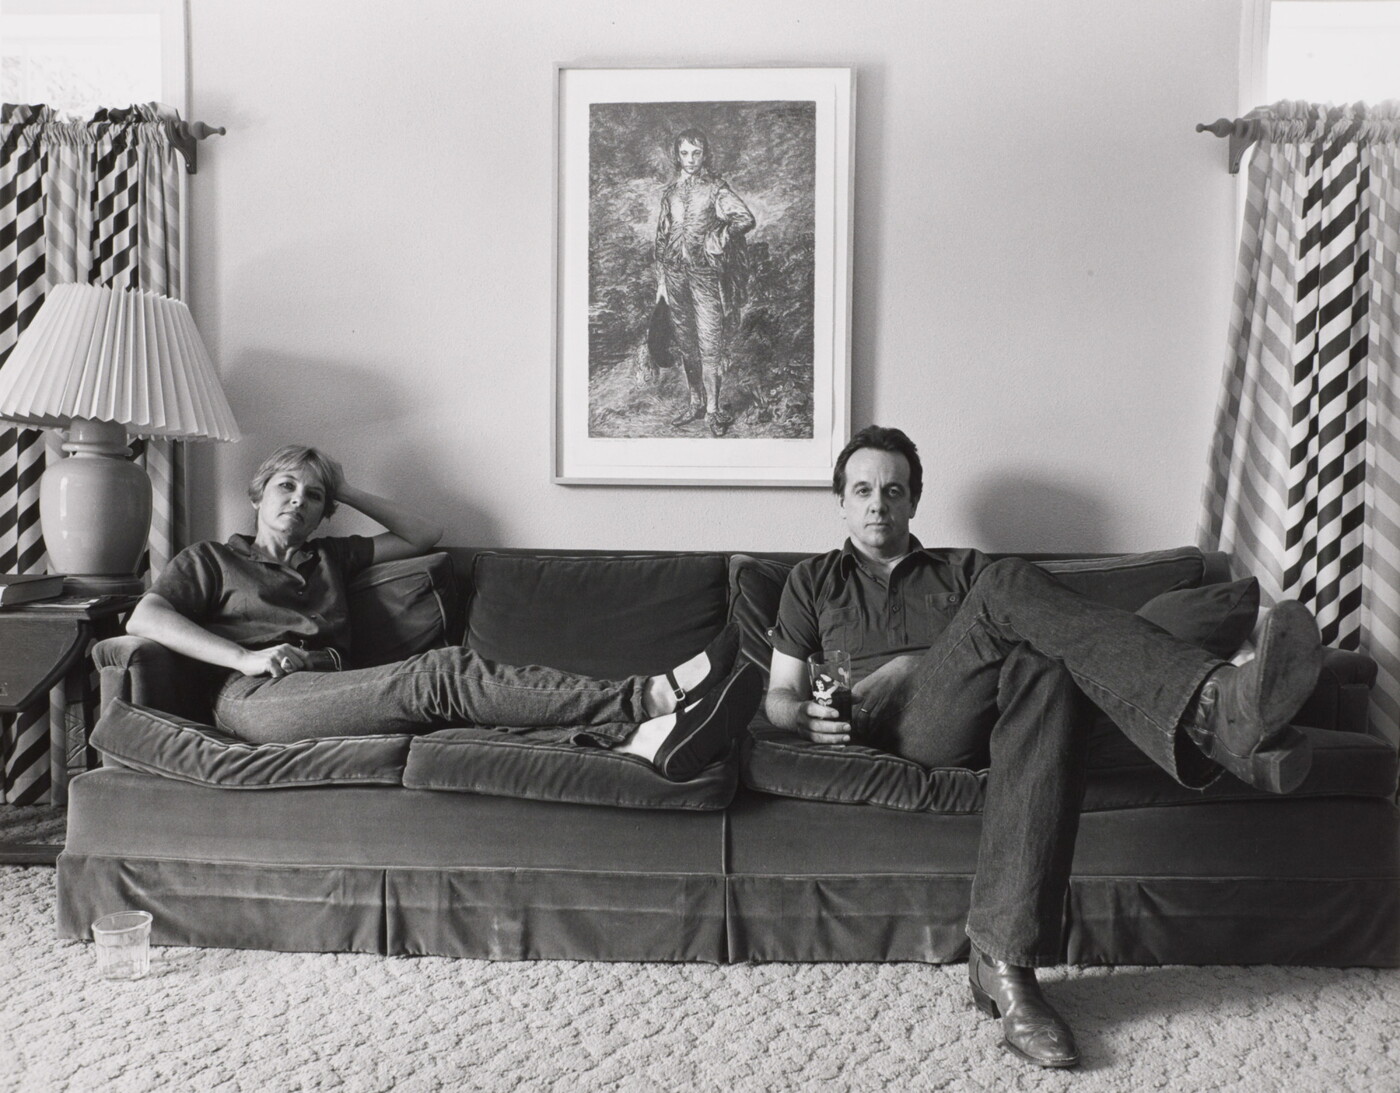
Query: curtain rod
x=184, y=135
x=1242, y=133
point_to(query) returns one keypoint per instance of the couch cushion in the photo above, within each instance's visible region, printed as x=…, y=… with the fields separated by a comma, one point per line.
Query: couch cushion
x=1128, y=581
x=609, y=616
x=158, y=743
x=783, y=763
x=755, y=589
x=1217, y=617
x=1120, y=776
x=400, y=608
x=542, y=765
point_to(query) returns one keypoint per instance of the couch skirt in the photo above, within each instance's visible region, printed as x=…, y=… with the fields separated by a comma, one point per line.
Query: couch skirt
x=393, y=871
x=1304, y=882
x=413, y=872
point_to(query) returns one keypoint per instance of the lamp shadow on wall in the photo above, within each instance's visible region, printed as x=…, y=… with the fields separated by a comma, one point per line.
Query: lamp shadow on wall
x=1020, y=512
x=279, y=399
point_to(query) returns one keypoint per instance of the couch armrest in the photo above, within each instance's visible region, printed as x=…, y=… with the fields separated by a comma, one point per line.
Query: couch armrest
x=146, y=673
x=1342, y=697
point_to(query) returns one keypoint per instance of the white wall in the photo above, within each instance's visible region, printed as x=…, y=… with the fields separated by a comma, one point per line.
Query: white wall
x=1042, y=255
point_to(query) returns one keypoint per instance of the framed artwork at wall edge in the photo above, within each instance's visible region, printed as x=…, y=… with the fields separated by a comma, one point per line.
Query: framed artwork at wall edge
x=702, y=278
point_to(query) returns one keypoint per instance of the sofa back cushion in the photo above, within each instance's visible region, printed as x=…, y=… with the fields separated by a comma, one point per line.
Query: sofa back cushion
x=1128, y=581
x=602, y=615
x=401, y=608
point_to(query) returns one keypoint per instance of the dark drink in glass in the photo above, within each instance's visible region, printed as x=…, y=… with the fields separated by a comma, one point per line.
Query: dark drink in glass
x=830, y=674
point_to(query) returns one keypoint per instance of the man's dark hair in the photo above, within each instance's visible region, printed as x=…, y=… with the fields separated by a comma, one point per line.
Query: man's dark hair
x=697, y=137
x=882, y=440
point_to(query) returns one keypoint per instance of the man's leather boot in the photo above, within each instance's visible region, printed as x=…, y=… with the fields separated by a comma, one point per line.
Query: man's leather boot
x=1241, y=715
x=1029, y=1024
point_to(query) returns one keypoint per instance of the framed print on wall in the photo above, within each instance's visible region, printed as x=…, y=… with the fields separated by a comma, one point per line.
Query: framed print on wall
x=702, y=282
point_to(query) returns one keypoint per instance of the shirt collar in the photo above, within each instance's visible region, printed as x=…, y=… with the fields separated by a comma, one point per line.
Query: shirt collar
x=850, y=556
x=243, y=546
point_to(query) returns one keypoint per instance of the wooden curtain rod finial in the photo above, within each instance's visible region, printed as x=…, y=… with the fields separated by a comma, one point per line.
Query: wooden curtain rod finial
x=1242, y=133
x=199, y=130
x=185, y=134
x=1221, y=127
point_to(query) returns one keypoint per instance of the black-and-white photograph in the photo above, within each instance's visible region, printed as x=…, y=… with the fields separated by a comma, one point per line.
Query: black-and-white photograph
x=704, y=292
x=702, y=329
x=764, y=546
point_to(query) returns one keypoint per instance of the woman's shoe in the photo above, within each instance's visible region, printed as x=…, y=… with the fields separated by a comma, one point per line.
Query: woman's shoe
x=721, y=654
x=705, y=730
x=1029, y=1024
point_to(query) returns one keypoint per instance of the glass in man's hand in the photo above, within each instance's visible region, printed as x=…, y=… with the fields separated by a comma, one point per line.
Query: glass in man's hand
x=830, y=675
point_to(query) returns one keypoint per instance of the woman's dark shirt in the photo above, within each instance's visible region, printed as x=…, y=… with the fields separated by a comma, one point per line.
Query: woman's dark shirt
x=234, y=591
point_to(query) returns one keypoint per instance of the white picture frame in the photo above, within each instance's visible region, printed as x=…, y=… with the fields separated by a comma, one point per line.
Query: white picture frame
x=752, y=249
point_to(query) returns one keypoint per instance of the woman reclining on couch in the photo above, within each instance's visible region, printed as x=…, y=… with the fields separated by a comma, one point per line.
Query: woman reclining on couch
x=272, y=609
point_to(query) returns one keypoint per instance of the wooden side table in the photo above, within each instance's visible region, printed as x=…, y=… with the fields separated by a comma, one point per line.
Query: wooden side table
x=43, y=658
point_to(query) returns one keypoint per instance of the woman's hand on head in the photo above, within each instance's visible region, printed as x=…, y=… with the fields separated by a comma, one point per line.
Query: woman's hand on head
x=338, y=473
x=277, y=661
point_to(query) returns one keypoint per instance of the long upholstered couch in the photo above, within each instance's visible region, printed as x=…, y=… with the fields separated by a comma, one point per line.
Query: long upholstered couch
x=471, y=842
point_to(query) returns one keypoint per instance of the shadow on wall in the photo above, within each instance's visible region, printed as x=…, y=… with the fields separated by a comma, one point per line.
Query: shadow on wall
x=1014, y=512
x=357, y=417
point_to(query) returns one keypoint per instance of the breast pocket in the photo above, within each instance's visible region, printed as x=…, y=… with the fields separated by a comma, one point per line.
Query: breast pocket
x=842, y=628
x=939, y=608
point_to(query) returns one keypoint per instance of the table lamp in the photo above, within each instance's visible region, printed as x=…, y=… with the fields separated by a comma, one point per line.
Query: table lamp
x=104, y=364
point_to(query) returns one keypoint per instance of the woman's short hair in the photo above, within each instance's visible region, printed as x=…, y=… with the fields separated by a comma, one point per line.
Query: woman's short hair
x=883, y=440
x=295, y=457
x=697, y=137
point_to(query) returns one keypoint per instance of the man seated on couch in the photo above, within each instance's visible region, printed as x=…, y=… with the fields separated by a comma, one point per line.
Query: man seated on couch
x=271, y=609
x=960, y=661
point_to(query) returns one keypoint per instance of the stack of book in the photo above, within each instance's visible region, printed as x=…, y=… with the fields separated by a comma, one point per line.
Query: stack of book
x=28, y=587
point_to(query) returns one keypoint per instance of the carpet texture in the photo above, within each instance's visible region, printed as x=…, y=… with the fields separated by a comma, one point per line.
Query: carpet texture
x=33, y=824
x=212, y=1019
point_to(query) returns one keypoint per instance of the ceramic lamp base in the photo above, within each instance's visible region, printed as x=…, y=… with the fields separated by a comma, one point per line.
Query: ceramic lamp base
x=95, y=506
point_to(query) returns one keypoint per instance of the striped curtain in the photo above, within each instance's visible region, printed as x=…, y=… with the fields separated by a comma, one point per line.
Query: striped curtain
x=1304, y=478
x=94, y=202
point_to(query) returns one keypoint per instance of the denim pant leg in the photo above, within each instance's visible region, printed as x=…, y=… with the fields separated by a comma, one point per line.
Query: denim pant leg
x=440, y=687
x=1138, y=674
x=952, y=711
x=1035, y=786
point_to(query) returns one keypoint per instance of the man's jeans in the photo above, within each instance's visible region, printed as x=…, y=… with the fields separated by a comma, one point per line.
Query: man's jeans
x=1006, y=687
x=440, y=687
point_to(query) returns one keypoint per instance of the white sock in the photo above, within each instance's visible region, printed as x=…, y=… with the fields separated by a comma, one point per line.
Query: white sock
x=689, y=674
x=649, y=737
x=694, y=670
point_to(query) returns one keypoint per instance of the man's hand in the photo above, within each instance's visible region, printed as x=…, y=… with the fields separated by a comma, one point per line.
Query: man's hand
x=822, y=724
x=789, y=704
x=874, y=690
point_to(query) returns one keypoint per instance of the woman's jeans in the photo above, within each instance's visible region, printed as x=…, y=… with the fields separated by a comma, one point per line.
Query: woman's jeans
x=440, y=687
x=1008, y=687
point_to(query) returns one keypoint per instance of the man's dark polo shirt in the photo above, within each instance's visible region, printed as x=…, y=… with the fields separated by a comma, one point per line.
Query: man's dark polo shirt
x=833, y=601
x=234, y=591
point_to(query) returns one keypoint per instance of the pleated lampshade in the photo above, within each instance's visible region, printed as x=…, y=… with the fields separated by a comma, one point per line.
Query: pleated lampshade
x=103, y=364
x=128, y=357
